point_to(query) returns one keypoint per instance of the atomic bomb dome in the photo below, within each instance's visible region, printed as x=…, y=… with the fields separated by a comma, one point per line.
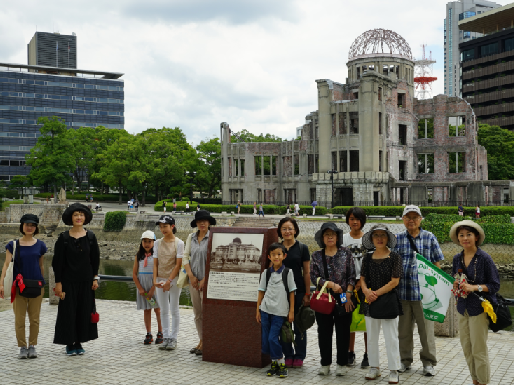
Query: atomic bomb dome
x=380, y=42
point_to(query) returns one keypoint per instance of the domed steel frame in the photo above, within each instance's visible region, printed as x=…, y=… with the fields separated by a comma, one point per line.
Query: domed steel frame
x=373, y=42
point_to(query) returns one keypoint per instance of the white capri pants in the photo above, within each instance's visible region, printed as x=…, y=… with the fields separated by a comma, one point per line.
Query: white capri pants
x=168, y=301
x=390, y=329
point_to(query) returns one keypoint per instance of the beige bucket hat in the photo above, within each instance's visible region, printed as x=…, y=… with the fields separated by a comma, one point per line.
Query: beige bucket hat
x=453, y=231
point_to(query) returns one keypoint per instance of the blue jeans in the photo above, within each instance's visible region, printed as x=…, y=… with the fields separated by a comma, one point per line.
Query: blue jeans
x=301, y=345
x=270, y=334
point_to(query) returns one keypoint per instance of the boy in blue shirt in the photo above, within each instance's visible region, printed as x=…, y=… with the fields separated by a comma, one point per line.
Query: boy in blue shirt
x=274, y=307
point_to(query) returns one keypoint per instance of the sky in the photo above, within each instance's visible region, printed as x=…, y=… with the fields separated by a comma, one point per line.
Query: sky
x=196, y=63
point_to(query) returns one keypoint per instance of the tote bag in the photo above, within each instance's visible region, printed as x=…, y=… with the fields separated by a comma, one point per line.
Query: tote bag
x=9, y=274
x=322, y=301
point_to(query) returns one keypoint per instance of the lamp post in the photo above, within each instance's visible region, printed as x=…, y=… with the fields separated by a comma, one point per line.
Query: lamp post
x=191, y=175
x=332, y=172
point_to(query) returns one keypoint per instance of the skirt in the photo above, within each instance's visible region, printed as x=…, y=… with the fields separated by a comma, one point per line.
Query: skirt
x=73, y=324
x=146, y=280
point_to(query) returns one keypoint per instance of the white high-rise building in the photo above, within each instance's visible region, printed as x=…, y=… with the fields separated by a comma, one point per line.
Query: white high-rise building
x=456, y=11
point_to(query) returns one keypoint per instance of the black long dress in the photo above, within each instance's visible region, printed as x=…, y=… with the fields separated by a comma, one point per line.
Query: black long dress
x=75, y=264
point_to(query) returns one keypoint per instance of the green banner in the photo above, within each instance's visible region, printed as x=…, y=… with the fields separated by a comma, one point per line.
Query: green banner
x=435, y=287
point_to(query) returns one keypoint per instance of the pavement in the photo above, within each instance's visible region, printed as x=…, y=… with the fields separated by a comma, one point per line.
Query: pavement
x=118, y=356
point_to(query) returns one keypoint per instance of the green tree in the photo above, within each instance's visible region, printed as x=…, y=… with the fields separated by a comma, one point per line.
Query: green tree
x=246, y=136
x=83, y=153
x=499, y=144
x=430, y=128
x=20, y=182
x=51, y=159
x=209, y=173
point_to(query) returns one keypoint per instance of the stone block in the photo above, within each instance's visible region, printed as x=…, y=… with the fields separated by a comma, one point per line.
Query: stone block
x=53, y=299
x=450, y=326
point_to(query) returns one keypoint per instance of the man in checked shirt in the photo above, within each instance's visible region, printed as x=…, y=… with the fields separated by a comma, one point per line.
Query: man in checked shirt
x=415, y=239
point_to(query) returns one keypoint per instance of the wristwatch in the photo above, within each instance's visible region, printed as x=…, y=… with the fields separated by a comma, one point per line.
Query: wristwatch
x=479, y=288
x=97, y=279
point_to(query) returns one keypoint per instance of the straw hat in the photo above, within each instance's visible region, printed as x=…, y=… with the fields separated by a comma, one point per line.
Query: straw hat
x=367, y=240
x=453, y=231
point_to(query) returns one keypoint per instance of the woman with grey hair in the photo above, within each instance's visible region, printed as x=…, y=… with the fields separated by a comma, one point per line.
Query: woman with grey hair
x=380, y=274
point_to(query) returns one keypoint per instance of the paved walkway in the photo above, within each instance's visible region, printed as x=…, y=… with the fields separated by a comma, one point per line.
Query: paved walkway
x=119, y=357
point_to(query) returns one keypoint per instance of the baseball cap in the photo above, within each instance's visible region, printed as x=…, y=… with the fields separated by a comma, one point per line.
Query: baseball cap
x=410, y=209
x=148, y=234
x=166, y=219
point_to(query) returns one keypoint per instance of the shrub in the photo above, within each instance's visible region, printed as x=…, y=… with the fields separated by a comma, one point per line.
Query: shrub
x=115, y=220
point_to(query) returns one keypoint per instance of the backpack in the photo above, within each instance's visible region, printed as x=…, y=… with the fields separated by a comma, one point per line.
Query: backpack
x=304, y=319
x=284, y=279
x=66, y=237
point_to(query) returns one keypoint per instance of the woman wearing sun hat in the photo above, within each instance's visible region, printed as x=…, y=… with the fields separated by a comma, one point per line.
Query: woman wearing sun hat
x=195, y=259
x=341, y=279
x=380, y=274
x=29, y=264
x=482, y=279
x=75, y=263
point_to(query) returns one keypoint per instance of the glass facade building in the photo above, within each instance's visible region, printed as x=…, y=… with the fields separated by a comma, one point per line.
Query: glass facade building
x=81, y=98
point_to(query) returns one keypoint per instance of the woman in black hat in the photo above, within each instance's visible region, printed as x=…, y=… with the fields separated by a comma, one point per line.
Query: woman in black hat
x=195, y=259
x=28, y=265
x=334, y=265
x=75, y=263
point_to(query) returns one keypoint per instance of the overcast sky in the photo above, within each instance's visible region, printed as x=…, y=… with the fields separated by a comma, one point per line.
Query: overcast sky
x=196, y=63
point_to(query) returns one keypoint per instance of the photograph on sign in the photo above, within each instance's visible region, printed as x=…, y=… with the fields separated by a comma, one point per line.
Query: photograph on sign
x=235, y=266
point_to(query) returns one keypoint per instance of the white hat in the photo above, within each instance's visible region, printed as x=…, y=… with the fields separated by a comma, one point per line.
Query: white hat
x=410, y=209
x=148, y=234
x=454, y=236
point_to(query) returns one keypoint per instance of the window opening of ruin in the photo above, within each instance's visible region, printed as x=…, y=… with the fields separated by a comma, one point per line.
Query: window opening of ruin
x=457, y=122
x=311, y=130
x=379, y=93
x=397, y=70
x=371, y=67
x=334, y=160
x=342, y=123
x=430, y=194
x=401, y=99
x=354, y=160
x=234, y=173
x=426, y=128
x=333, y=125
x=290, y=196
x=380, y=123
x=313, y=194
x=354, y=122
x=385, y=69
x=380, y=160
x=402, y=134
x=355, y=95
x=387, y=125
x=425, y=163
x=391, y=69
x=364, y=69
x=310, y=160
x=259, y=196
x=273, y=165
x=343, y=161
x=257, y=162
x=358, y=72
x=402, y=169
x=267, y=165
x=297, y=164
x=242, y=167
x=456, y=162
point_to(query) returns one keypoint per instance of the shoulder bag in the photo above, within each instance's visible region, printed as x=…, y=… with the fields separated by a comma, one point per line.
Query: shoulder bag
x=503, y=317
x=183, y=278
x=386, y=306
x=9, y=274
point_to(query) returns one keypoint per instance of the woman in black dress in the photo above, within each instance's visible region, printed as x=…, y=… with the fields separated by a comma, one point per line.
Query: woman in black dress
x=75, y=263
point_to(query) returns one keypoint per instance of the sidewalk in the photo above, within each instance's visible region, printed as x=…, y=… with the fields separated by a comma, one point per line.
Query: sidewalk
x=119, y=357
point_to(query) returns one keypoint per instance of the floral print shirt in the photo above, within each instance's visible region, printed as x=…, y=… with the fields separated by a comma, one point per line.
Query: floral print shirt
x=341, y=268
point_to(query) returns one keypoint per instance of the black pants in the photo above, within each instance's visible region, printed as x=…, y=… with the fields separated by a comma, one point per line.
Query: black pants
x=326, y=324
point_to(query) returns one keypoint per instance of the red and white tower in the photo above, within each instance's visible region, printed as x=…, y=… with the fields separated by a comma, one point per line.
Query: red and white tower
x=423, y=76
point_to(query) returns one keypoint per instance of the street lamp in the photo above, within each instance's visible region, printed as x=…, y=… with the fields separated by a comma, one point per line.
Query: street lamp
x=332, y=172
x=191, y=175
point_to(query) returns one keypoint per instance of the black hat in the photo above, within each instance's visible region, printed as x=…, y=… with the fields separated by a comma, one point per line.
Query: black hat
x=168, y=219
x=29, y=218
x=203, y=214
x=68, y=213
x=325, y=226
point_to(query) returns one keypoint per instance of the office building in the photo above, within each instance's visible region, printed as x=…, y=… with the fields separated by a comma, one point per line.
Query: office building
x=488, y=67
x=27, y=92
x=455, y=12
x=52, y=50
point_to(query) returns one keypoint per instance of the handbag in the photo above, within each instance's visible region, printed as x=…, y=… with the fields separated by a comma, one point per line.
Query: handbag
x=340, y=308
x=29, y=288
x=9, y=275
x=95, y=317
x=183, y=278
x=386, y=306
x=503, y=317
x=322, y=301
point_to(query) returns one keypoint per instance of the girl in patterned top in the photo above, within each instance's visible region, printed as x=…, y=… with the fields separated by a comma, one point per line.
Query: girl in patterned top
x=142, y=274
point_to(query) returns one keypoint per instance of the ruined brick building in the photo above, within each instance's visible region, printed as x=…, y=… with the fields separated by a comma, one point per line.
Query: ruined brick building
x=380, y=144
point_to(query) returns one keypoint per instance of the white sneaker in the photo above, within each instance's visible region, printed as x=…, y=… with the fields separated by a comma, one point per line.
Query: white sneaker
x=341, y=370
x=403, y=368
x=164, y=344
x=172, y=344
x=428, y=371
x=393, y=377
x=373, y=374
x=324, y=370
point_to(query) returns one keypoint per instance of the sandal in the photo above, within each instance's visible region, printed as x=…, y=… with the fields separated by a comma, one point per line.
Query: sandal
x=193, y=350
x=149, y=339
x=159, y=339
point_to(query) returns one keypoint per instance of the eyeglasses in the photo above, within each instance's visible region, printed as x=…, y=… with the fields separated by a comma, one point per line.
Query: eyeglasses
x=286, y=229
x=330, y=235
x=377, y=236
x=412, y=219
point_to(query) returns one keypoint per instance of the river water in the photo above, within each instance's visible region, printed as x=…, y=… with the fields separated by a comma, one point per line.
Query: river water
x=126, y=291
x=122, y=291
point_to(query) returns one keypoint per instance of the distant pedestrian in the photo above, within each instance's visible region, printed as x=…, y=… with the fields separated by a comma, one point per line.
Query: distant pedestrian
x=254, y=208
x=187, y=207
x=47, y=200
x=128, y=205
x=174, y=206
x=87, y=197
x=198, y=207
x=461, y=210
x=174, y=200
x=477, y=212
x=164, y=205
x=314, y=204
x=238, y=207
x=137, y=205
x=91, y=198
x=288, y=208
x=261, y=210
x=142, y=275
x=296, y=209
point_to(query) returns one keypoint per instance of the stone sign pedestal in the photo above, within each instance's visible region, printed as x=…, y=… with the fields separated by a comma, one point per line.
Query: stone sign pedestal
x=236, y=258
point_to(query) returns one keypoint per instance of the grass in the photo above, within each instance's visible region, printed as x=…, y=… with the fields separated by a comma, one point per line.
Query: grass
x=15, y=202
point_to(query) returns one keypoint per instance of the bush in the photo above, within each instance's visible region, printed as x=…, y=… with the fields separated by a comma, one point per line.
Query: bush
x=497, y=228
x=115, y=220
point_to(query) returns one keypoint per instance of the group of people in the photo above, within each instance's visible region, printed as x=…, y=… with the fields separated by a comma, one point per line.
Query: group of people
x=376, y=270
